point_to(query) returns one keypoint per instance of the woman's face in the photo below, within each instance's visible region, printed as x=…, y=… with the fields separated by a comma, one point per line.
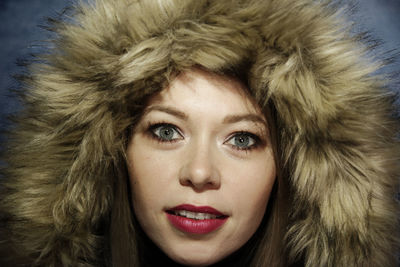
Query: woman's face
x=201, y=168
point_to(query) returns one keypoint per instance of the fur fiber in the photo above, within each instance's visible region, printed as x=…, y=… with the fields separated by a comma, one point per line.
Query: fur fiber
x=336, y=121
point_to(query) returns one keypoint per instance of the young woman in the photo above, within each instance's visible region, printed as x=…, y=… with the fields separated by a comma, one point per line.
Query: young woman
x=226, y=133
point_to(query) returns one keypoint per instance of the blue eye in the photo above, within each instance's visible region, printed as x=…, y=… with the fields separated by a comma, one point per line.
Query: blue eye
x=165, y=132
x=243, y=141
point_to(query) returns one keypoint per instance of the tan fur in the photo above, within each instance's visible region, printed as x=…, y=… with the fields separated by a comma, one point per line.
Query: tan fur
x=335, y=122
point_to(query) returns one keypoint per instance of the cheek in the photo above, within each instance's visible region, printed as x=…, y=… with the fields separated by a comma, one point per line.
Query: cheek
x=141, y=176
x=149, y=184
x=151, y=175
x=251, y=191
x=145, y=171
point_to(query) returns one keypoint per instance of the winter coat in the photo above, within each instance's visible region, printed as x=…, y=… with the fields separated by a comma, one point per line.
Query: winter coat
x=336, y=122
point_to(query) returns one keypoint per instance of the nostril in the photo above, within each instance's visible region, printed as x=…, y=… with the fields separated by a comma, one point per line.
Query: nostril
x=207, y=184
x=185, y=182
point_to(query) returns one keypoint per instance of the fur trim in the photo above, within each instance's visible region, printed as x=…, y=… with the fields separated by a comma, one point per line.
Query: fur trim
x=335, y=120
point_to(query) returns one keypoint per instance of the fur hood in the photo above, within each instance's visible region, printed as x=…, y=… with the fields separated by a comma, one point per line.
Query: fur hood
x=336, y=122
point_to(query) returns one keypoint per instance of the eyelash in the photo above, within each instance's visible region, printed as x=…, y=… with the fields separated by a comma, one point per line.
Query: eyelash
x=254, y=139
x=152, y=128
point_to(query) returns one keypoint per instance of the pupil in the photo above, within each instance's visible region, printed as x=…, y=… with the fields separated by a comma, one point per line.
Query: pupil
x=166, y=133
x=242, y=141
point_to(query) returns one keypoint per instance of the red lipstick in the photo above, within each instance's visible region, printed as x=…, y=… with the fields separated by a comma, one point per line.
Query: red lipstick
x=195, y=220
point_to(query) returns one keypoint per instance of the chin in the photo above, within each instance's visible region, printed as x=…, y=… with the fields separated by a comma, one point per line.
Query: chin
x=196, y=259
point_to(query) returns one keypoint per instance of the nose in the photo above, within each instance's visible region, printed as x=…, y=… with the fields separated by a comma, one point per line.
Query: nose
x=199, y=170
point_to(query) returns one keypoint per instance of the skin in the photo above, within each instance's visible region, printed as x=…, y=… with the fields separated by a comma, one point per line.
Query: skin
x=203, y=163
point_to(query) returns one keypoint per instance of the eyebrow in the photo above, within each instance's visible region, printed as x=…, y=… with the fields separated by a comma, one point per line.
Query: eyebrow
x=227, y=120
x=172, y=111
x=244, y=117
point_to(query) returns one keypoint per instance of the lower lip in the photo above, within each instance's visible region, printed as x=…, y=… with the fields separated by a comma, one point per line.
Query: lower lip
x=195, y=226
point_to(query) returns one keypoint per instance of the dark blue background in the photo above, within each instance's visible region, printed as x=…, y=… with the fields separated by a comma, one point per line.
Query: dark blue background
x=21, y=36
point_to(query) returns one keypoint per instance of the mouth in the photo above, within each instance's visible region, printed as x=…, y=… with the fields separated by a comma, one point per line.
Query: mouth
x=196, y=220
x=195, y=215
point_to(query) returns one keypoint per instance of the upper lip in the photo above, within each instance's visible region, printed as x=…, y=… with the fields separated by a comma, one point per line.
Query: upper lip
x=201, y=209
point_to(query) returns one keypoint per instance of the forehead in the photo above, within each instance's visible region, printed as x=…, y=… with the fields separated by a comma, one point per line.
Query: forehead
x=199, y=91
